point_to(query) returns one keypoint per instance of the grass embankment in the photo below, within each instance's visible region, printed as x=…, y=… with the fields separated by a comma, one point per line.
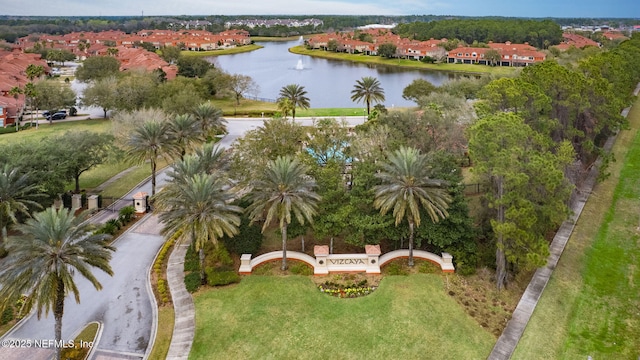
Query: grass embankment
x=227, y=51
x=256, y=109
x=55, y=129
x=166, y=318
x=405, y=63
x=289, y=318
x=591, y=306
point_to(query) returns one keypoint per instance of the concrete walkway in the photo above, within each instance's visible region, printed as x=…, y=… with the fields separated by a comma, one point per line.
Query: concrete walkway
x=507, y=342
x=185, y=314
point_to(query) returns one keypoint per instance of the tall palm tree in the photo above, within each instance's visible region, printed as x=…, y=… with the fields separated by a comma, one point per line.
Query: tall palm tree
x=406, y=187
x=297, y=95
x=17, y=194
x=284, y=187
x=367, y=89
x=41, y=264
x=147, y=142
x=15, y=93
x=210, y=119
x=184, y=133
x=31, y=93
x=199, y=208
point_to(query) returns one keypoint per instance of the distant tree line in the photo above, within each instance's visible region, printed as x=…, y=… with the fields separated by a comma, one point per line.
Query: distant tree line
x=12, y=27
x=540, y=34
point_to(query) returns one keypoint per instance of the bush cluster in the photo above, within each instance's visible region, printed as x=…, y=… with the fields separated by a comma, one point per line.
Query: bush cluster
x=221, y=278
x=192, y=281
x=162, y=288
x=301, y=269
x=395, y=269
x=346, y=291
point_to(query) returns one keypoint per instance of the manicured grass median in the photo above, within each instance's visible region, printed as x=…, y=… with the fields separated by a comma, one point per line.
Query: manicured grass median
x=407, y=317
x=591, y=306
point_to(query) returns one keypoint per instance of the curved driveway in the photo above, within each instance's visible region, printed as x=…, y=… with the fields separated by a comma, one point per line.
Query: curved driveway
x=123, y=306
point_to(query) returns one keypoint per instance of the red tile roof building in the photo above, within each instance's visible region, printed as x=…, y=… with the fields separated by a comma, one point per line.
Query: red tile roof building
x=13, y=66
x=576, y=41
x=509, y=55
x=405, y=48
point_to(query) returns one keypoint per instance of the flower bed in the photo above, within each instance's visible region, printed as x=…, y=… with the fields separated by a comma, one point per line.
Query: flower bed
x=346, y=291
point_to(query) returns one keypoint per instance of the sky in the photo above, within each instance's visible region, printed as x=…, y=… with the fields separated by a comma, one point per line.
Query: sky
x=515, y=8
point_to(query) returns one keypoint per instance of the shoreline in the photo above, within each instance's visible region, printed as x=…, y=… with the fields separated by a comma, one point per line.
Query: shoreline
x=228, y=51
x=404, y=63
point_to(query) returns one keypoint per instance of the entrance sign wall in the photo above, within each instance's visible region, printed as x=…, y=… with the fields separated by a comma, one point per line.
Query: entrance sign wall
x=325, y=263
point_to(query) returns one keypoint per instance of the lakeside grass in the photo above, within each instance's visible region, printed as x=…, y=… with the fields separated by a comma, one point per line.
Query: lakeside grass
x=289, y=318
x=405, y=63
x=254, y=108
x=591, y=305
x=228, y=51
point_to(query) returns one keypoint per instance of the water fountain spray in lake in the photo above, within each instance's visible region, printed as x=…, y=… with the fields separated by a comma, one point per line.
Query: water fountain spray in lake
x=300, y=65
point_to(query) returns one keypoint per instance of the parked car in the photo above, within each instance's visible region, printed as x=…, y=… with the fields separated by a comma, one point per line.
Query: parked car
x=58, y=116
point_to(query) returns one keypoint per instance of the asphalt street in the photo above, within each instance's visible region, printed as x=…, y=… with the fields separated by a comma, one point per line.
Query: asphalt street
x=123, y=306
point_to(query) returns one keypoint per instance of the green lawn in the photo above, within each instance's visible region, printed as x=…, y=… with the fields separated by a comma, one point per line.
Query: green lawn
x=57, y=128
x=253, y=108
x=464, y=68
x=272, y=317
x=591, y=306
x=229, y=51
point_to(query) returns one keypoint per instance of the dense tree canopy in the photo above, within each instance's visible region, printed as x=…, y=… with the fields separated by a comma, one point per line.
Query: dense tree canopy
x=98, y=67
x=535, y=32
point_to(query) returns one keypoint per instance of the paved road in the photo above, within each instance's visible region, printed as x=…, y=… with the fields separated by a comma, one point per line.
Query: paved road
x=123, y=307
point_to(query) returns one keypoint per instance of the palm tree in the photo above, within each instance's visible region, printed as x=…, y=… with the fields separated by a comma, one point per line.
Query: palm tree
x=147, y=142
x=212, y=158
x=184, y=133
x=15, y=93
x=41, y=264
x=17, y=195
x=210, y=119
x=31, y=93
x=285, y=106
x=284, y=187
x=198, y=207
x=367, y=89
x=297, y=95
x=406, y=186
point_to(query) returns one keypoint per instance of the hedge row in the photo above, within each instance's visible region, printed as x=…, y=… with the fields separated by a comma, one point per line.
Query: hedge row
x=162, y=288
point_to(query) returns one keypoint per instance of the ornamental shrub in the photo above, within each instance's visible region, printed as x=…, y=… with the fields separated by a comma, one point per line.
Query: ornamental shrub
x=192, y=282
x=221, y=278
x=7, y=315
x=125, y=215
x=247, y=241
x=395, y=269
x=300, y=269
x=191, y=261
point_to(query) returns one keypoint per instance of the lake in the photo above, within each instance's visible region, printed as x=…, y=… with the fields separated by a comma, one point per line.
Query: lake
x=328, y=82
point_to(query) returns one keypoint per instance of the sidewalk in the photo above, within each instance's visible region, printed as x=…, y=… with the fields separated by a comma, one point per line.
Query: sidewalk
x=184, y=325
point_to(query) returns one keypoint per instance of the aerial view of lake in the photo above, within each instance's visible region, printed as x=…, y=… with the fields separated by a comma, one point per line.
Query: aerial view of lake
x=328, y=82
